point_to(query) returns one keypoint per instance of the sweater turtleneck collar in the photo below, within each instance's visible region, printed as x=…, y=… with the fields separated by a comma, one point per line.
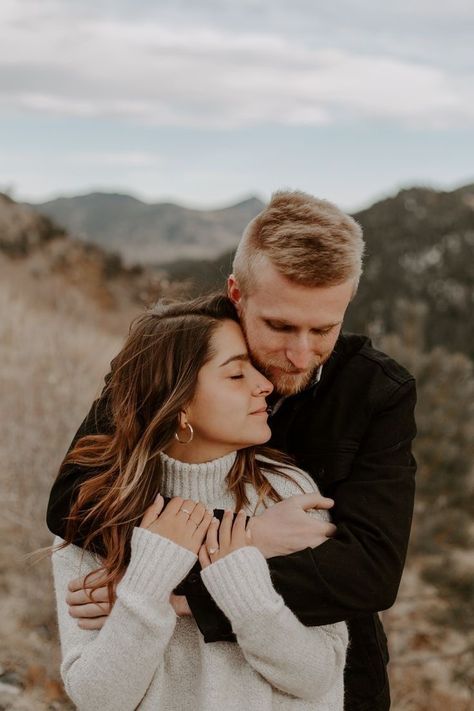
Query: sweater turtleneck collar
x=204, y=482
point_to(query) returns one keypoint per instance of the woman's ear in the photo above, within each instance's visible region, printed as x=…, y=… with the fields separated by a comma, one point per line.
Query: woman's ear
x=183, y=419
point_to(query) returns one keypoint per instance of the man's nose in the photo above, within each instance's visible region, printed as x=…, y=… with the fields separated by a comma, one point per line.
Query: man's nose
x=300, y=355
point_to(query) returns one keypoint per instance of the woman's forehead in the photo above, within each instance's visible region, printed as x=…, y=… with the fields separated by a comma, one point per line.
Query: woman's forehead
x=228, y=341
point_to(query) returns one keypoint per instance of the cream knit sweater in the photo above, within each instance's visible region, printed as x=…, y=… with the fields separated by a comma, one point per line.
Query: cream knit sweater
x=148, y=658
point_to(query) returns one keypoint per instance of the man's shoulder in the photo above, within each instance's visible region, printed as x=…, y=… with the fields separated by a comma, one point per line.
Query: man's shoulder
x=358, y=354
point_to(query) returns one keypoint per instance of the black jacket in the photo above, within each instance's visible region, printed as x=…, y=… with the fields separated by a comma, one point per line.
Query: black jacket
x=352, y=432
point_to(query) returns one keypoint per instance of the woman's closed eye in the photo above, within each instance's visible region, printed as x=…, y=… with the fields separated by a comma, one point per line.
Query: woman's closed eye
x=237, y=377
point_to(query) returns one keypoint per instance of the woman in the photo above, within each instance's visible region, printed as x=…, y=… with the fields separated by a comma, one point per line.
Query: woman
x=189, y=411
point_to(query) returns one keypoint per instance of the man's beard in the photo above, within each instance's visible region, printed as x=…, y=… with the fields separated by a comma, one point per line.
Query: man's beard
x=287, y=381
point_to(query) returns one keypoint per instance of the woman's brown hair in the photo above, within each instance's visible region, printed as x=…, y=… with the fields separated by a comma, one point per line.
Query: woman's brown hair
x=152, y=379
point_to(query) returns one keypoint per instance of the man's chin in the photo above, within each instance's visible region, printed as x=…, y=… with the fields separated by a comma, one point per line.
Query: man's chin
x=288, y=384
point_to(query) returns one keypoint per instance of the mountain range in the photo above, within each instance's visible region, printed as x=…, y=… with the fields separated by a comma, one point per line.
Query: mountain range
x=419, y=262
x=419, y=268
x=150, y=233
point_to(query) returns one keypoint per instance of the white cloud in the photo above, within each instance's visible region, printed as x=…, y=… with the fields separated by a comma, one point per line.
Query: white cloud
x=63, y=58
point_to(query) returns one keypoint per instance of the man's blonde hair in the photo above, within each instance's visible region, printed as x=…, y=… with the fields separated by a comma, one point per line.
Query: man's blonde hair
x=309, y=241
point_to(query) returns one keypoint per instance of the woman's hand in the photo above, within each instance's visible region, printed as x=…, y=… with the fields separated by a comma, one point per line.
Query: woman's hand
x=224, y=538
x=183, y=521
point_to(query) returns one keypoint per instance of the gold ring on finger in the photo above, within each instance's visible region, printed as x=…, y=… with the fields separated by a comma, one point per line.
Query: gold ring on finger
x=211, y=551
x=186, y=511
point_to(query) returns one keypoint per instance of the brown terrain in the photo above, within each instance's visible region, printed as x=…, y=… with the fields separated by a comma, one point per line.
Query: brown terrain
x=66, y=306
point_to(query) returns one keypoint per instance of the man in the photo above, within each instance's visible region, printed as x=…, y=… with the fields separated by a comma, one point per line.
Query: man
x=343, y=410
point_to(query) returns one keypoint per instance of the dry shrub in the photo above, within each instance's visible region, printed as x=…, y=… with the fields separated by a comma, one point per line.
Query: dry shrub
x=52, y=365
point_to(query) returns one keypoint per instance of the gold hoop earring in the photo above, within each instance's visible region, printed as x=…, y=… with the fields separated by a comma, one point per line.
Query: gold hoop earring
x=191, y=435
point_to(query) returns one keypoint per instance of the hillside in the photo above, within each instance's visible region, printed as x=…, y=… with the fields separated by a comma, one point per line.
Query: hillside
x=38, y=250
x=420, y=248
x=151, y=233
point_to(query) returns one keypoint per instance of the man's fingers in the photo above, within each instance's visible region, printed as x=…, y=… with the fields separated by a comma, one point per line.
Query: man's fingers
x=90, y=610
x=329, y=530
x=323, y=529
x=94, y=623
x=312, y=501
x=78, y=583
x=82, y=597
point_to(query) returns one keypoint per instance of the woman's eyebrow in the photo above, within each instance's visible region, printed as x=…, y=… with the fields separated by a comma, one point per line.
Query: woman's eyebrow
x=241, y=356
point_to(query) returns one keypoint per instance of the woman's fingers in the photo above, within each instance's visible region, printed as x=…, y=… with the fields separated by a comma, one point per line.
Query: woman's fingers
x=173, y=506
x=238, y=530
x=201, y=530
x=203, y=556
x=183, y=508
x=212, y=540
x=198, y=514
x=225, y=529
x=152, y=512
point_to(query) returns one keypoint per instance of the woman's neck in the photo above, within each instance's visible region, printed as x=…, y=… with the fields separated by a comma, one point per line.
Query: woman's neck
x=198, y=452
x=206, y=481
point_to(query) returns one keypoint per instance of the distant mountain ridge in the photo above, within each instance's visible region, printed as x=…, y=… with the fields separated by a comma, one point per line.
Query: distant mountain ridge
x=419, y=256
x=419, y=252
x=151, y=233
x=46, y=251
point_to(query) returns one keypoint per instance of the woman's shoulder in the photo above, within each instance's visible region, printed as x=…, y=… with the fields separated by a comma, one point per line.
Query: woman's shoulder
x=73, y=556
x=300, y=482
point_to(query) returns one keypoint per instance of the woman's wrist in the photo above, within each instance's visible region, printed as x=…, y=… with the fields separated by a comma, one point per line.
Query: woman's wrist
x=157, y=565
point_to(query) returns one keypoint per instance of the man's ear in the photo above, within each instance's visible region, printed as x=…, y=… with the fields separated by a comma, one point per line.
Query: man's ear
x=233, y=290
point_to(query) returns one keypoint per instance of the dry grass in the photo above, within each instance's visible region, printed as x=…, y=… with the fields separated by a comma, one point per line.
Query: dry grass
x=52, y=364
x=55, y=346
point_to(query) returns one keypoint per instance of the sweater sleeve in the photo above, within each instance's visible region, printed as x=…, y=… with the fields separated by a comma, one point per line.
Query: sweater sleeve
x=306, y=662
x=110, y=669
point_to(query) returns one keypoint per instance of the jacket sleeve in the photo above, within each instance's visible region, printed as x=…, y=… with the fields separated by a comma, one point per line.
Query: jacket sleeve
x=306, y=662
x=97, y=665
x=359, y=570
x=65, y=487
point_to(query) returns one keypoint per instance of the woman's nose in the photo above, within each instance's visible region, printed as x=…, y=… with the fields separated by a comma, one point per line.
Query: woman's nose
x=264, y=386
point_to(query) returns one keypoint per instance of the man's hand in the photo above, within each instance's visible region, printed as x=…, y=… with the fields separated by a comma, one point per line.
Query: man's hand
x=92, y=614
x=286, y=527
x=90, y=608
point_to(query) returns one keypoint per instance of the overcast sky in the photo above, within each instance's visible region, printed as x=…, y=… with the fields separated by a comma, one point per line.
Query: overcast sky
x=207, y=102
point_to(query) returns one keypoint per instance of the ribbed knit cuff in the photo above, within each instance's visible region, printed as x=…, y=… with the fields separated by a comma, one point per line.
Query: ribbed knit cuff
x=241, y=585
x=156, y=566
